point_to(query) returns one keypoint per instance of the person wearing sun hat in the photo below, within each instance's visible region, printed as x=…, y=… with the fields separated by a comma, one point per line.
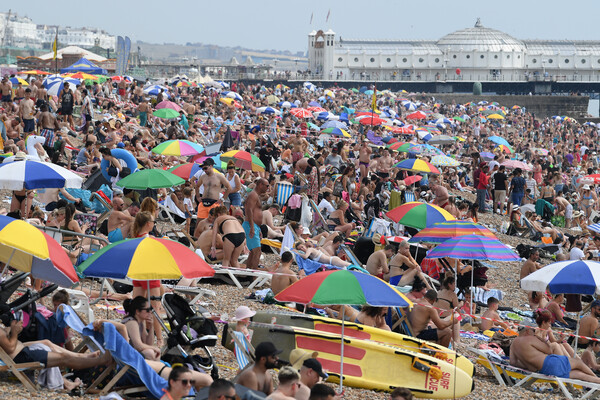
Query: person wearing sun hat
x=242, y=317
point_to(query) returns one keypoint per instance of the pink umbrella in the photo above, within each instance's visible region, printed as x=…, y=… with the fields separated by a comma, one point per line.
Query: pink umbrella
x=512, y=164
x=168, y=104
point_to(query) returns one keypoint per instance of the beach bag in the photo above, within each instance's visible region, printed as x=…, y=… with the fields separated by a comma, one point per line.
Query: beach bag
x=338, y=188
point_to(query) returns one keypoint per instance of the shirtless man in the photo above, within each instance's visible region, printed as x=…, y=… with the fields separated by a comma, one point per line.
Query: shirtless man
x=122, y=85
x=532, y=264
x=27, y=112
x=287, y=389
x=143, y=109
x=213, y=185
x=14, y=130
x=300, y=145
x=490, y=318
x=377, y=262
x=531, y=353
x=207, y=223
x=420, y=316
x=384, y=165
x=260, y=376
x=6, y=92
x=283, y=274
x=564, y=208
x=589, y=324
x=119, y=221
x=56, y=357
x=204, y=243
x=252, y=221
x=364, y=159
x=19, y=93
x=440, y=193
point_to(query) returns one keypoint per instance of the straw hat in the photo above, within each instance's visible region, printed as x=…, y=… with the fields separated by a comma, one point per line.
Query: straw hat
x=298, y=356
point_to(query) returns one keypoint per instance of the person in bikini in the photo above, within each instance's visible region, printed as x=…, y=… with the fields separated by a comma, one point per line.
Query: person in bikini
x=405, y=266
x=234, y=238
x=588, y=326
x=319, y=256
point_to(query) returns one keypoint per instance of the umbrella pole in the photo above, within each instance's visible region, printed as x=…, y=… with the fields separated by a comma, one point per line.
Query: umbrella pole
x=472, y=288
x=577, y=331
x=342, y=352
x=8, y=262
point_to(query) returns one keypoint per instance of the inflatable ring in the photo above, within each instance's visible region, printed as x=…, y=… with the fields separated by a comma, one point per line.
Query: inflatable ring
x=120, y=154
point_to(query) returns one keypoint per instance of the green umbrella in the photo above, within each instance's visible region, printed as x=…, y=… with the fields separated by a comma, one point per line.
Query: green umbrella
x=150, y=179
x=354, y=90
x=458, y=119
x=313, y=126
x=166, y=113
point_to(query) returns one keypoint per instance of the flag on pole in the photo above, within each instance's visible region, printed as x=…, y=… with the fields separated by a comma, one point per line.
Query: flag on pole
x=374, y=101
x=311, y=17
x=328, y=14
x=55, y=45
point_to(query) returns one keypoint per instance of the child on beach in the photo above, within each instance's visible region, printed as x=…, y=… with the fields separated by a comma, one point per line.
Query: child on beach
x=188, y=206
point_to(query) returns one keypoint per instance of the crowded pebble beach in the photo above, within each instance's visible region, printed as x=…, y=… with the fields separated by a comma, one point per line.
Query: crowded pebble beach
x=241, y=193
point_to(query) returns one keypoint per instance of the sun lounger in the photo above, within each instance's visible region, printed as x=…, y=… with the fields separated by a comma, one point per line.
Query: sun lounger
x=80, y=302
x=197, y=292
x=232, y=275
x=508, y=375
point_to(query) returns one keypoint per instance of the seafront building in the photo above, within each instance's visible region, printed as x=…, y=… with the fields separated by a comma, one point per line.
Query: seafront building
x=472, y=54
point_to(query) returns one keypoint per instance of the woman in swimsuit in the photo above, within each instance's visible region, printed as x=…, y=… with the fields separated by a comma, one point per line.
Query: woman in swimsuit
x=139, y=327
x=559, y=347
x=319, y=256
x=373, y=316
x=234, y=237
x=447, y=300
x=337, y=220
x=587, y=201
x=22, y=200
x=404, y=265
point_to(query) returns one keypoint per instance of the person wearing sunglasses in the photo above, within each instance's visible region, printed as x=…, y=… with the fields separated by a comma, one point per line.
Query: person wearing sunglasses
x=139, y=327
x=180, y=383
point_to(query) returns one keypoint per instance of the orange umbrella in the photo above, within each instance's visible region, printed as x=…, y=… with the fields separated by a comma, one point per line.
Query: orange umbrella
x=35, y=72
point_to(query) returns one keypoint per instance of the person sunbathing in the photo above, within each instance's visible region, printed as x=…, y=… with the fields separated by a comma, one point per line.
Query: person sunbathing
x=319, y=256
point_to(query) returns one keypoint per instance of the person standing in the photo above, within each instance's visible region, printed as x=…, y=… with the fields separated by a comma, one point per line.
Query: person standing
x=482, y=186
x=26, y=112
x=252, y=221
x=517, y=187
x=499, y=190
x=66, y=102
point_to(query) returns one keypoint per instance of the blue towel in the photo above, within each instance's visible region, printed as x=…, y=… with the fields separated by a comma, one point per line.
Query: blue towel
x=310, y=266
x=66, y=316
x=124, y=353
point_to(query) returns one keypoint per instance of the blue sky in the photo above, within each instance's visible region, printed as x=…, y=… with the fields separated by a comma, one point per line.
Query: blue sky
x=284, y=25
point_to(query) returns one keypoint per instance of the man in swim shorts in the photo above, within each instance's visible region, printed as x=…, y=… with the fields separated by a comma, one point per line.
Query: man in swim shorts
x=530, y=352
x=252, y=221
x=119, y=221
x=364, y=158
x=423, y=313
x=212, y=185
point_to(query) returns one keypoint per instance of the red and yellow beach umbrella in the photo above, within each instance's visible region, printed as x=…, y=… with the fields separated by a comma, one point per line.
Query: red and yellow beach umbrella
x=243, y=160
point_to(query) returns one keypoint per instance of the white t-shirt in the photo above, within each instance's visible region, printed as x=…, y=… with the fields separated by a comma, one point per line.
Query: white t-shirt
x=187, y=204
x=576, y=254
x=326, y=206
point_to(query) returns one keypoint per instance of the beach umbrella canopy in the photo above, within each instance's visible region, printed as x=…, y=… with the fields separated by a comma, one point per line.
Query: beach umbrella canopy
x=416, y=165
x=154, y=90
x=267, y=110
x=35, y=72
x=166, y=113
x=178, y=148
x=31, y=174
x=409, y=180
x=286, y=104
x=168, y=104
x=499, y=140
x=506, y=149
x=417, y=115
x=495, y=116
x=144, y=259
x=334, y=124
x=336, y=132
x=28, y=249
x=511, y=164
x=419, y=215
x=243, y=160
x=54, y=85
x=301, y=113
x=486, y=155
x=474, y=247
x=424, y=148
x=150, y=179
x=81, y=76
x=316, y=109
x=444, y=161
x=272, y=99
x=408, y=148
x=442, y=231
x=441, y=139
x=569, y=277
x=16, y=80
x=185, y=171
x=369, y=120
x=343, y=287
x=232, y=95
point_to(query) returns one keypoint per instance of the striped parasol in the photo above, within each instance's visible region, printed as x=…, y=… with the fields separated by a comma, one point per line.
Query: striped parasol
x=444, y=161
x=442, y=231
x=474, y=247
x=417, y=165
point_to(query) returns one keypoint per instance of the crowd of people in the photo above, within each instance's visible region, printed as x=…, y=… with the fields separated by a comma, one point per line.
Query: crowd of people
x=535, y=175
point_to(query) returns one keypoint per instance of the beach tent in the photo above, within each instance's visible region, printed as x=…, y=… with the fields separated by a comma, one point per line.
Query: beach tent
x=84, y=65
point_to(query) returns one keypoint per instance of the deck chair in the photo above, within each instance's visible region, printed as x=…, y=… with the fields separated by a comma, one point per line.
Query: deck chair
x=80, y=302
x=274, y=245
x=508, y=375
x=318, y=219
x=402, y=324
x=196, y=293
x=7, y=364
x=244, y=351
x=127, y=359
x=232, y=276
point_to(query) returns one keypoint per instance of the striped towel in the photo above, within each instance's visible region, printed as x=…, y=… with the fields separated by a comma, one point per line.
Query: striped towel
x=241, y=354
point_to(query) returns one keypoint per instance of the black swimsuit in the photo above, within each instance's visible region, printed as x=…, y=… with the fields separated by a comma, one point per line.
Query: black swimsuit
x=237, y=239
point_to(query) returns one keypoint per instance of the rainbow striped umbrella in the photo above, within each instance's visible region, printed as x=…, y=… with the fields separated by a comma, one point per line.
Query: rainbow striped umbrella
x=185, y=171
x=474, y=247
x=336, y=132
x=416, y=165
x=243, y=160
x=145, y=258
x=178, y=148
x=28, y=249
x=506, y=149
x=442, y=231
x=444, y=161
x=419, y=215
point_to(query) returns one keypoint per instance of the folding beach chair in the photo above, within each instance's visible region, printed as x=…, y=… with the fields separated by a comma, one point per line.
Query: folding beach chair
x=284, y=191
x=18, y=370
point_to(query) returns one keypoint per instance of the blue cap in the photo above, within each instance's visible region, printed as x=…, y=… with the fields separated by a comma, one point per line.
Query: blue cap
x=121, y=145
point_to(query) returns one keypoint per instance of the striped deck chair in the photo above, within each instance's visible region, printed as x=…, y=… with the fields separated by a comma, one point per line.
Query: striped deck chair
x=409, y=196
x=284, y=191
x=318, y=219
x=244, y=351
